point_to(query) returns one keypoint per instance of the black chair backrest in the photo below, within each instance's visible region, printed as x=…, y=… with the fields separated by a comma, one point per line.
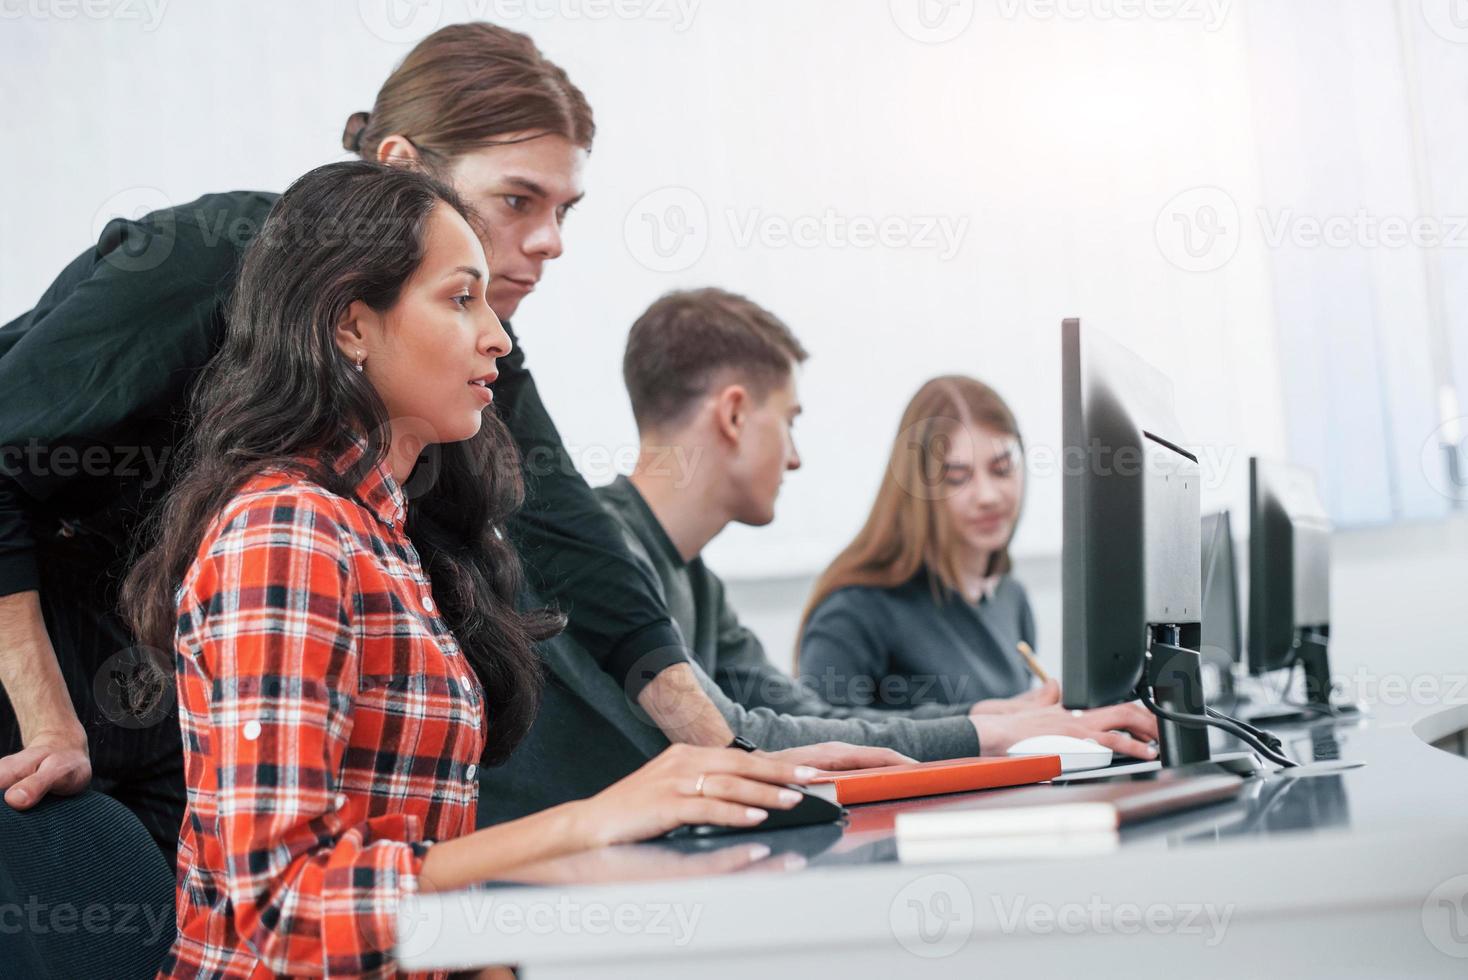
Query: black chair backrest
x=84, y=891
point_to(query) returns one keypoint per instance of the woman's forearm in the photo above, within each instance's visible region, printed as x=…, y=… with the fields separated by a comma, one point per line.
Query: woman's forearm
x=490, y=851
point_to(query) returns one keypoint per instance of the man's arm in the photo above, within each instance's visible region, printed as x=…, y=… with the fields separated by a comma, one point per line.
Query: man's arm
x=925, y=741
x=680, y=706
x=55, y=758
x=117, y=337
x=576, y=558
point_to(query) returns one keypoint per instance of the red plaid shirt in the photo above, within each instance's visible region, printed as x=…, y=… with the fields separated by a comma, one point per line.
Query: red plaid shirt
x=331, y=727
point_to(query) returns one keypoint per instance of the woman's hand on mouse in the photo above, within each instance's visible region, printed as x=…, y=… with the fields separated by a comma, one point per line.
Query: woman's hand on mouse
x=687, y=784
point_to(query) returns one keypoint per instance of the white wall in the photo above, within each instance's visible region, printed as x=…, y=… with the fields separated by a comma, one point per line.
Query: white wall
x=1074, y=155
x=1046, y=147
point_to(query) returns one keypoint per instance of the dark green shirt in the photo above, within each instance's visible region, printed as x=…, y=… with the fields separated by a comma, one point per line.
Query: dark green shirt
x=776, y=712
x=902, y=647
x=94, y=382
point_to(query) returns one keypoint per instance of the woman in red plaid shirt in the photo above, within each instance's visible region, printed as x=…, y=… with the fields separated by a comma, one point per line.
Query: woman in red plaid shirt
x=328, y=687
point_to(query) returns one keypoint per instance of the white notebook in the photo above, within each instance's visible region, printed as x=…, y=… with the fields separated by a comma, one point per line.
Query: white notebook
x=947, y=849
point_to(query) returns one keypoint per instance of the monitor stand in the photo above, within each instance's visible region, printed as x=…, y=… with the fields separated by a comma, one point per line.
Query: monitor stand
x=1313, y=654
x=1175, y=675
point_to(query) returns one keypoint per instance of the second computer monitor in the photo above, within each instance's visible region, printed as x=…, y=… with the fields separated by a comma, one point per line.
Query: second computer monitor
x=1222, y=639
x=1289, y=562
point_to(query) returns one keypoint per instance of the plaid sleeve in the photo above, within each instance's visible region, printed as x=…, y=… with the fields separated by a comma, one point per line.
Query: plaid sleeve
x=313, y=887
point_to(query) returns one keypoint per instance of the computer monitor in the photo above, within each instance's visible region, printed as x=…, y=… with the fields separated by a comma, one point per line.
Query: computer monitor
x=1289, y=575
x=1131, y=554
x=1223, y=646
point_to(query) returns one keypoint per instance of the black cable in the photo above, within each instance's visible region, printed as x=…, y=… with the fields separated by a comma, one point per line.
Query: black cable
x=1268, y=738
x=1224, y=723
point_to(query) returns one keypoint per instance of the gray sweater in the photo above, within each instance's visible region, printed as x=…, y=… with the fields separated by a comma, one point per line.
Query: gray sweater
x=901, y=647
x=759, y=700
x=590, y=732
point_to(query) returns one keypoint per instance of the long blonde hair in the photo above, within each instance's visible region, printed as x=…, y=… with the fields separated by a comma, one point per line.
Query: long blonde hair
x=908, y=528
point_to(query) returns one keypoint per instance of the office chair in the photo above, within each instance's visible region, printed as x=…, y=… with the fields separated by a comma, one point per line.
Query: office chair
x=84, y=891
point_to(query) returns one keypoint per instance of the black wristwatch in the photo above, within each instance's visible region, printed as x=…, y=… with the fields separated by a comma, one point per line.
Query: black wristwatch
x=740, y=742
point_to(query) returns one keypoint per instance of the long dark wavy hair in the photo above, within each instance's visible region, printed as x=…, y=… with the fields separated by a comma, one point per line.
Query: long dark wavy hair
x=280, y=390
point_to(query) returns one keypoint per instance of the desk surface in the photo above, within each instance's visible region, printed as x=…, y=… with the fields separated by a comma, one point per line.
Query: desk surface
x=1358, y=872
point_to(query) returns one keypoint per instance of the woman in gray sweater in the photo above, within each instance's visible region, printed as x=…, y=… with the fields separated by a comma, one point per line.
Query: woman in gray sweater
x=921, y=607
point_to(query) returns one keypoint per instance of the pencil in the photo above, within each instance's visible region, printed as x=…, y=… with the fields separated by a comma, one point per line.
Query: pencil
x=1033, y=662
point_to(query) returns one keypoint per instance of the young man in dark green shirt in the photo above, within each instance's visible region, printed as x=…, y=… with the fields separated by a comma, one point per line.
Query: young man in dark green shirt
x=712, y=379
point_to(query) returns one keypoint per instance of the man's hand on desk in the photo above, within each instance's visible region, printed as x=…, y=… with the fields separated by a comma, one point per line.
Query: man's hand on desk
x=1044, y=696
x=832, y=756
x=1122, y=728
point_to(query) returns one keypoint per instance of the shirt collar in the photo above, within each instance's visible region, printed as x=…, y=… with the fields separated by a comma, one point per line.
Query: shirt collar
x=650, y=521
x=376, y=490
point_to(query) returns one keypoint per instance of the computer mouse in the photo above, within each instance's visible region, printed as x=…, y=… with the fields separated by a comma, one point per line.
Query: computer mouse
x=811, y=809
x=1075, y=754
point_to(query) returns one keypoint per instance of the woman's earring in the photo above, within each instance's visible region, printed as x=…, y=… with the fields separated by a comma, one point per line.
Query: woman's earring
x=361, y=359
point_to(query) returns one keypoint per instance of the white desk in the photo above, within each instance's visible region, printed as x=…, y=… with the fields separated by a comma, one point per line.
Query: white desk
x=1346, y=875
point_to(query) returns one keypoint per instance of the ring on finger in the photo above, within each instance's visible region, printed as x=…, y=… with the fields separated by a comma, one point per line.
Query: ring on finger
x=698, y=786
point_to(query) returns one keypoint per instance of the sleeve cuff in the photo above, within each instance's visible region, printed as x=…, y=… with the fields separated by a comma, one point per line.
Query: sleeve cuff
x=18, y=573
x=646, y=654
x=952, y=738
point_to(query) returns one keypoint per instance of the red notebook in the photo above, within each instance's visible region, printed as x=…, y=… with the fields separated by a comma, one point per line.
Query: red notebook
x=933, y=778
